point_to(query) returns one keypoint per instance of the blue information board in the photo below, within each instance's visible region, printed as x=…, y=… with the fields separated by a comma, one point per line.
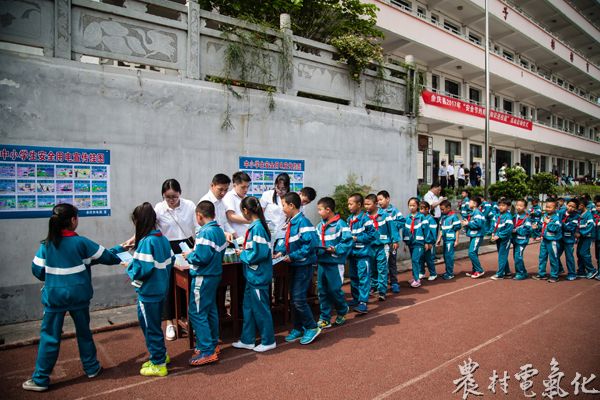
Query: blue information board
x=263, y=172
x=34, y=179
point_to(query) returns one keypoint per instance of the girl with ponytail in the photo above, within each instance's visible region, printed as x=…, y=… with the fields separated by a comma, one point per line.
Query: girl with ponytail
x=258, y=271
x=63, y=262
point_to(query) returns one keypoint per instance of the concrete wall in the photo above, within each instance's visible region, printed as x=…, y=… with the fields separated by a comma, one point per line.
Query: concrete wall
x=159, y=127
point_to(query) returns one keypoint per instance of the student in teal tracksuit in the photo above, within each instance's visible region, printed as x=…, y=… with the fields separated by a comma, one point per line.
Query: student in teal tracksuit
x=258, y=271
x=487, y=210
x=535, y=216
x=63, y=262
x=465, y=211
x=448, y=236
x=475, y=227
x=430, y=239
x=359, y=259
x=206, y=268
x=585, y=234
x=299, y=249
x=414, y=231
x=149, y=272
x=596, y=214
x=570, y=223
x=551, y=236
x=520, y=238
x=383, y=199
x=335, y=243
x=501, y=235
x=386, y=235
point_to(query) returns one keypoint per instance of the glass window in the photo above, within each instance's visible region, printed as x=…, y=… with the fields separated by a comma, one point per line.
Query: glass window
x=403, y=4
x=507, y=106
x=524, y=111
x=475, y=95
x=581, y=168
x=452, y=149
x=475, y=151
x=451, y=26
x=474, y=38
x=452, y=88
x=435, y=83
x=508, y=55
x=434, y=18
x=421, y=12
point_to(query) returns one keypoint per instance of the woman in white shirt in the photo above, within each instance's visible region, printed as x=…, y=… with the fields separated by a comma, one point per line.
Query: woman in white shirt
x=271, y=202
x=177, y=221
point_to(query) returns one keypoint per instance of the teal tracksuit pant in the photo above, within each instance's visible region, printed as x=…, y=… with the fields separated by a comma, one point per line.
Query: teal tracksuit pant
x=474, y=253
x=518, y=251
x=203, y=314
x=330, y=278
x=428, y=261
x=548, y=251
x=257, y=315
x=149, y=315
x=568, y=250
x=379, y=271
x=449, y=257
x=503, y=247
x=584, y=256
x=360, y=275
x=52, y=324
x=416, y=257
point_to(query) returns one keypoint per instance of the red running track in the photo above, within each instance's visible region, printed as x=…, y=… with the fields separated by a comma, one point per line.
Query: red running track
x=408, y=347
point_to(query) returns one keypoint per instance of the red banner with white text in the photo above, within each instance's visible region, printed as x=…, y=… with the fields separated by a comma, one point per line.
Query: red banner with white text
x=450, y=103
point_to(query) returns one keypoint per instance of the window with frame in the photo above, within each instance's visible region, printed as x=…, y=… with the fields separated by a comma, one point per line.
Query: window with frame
x=421, y=12
x=508, y=55
x=452, y=149
x=475, y=151
x=452, y=88
x=475, y=38
x=402, y=4
x=435, y=83
x=581, y=168
x=451, y=26
x=475, y=95
x=524, y=111
x=435, y=19
x=507, y=106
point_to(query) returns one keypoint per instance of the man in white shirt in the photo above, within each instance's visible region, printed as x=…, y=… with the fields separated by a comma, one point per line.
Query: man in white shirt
x=461, y=176
x=451, y=174
x=218, y=189
x=233, y=200
x=432, y=197
x=443, y=175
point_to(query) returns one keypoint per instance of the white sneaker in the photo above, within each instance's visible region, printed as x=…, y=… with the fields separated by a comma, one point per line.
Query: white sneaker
x=31, y=385
x=171, y=332
x=261, y=348
x=241, y=345
x=421, y=276
x=432, y=277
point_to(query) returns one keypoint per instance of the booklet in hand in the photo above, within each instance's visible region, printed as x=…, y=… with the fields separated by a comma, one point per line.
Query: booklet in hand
x=125, y=256
x=184, y=247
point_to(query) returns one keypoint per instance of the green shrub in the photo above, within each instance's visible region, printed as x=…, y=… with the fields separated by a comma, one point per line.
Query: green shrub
x=543, y=183
x=342, y=192
x=578, y=190
x=515, y=187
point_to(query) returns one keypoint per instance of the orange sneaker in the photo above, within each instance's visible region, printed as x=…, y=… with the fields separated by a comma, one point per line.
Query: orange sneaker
x=203, y=359
x=217, y=351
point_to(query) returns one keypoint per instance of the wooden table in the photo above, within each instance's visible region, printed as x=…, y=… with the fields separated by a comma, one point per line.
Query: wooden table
x=232, y=276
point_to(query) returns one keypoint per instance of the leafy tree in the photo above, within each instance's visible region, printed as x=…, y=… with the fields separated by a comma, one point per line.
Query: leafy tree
x=515, y=187
x=348, y=25
x=342, y=192
x=543, y=183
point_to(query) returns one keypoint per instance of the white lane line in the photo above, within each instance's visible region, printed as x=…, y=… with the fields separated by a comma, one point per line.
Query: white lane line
x=355, y=321
x=479, y=347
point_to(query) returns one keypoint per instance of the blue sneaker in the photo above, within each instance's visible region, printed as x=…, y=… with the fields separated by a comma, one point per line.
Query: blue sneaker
x=395, y=288
x=520, y=277
x=294, y=335
x=310, y=335
x=571, y=277
x=592, y=274
x=447, y=277
x=361, y=308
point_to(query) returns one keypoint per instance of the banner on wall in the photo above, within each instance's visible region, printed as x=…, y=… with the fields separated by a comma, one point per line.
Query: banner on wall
x=453, y=104
x=34, y=179
x=263, y=172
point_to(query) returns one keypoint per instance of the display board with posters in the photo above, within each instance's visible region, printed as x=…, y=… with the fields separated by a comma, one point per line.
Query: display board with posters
x=263, y=172
x=34, y=179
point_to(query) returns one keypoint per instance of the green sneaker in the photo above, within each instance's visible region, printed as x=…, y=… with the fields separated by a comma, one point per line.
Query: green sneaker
x=148, y=363
x=339, y=320
x=324, y=324
x=294, y=335
x=154, y=370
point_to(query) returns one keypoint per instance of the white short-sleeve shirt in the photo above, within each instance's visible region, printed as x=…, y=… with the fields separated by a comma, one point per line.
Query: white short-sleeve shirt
x=232, y=202
x=273, y=213
x=220, y=215
x=177, y=223
x=432, y=198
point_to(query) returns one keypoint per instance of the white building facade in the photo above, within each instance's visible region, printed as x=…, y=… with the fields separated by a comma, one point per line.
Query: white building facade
x=545, y=81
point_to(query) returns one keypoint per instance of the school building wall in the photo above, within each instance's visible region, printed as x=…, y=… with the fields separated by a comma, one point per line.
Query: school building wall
x=160, y=126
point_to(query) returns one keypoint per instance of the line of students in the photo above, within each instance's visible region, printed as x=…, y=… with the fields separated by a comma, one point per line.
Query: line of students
x=365, y=240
